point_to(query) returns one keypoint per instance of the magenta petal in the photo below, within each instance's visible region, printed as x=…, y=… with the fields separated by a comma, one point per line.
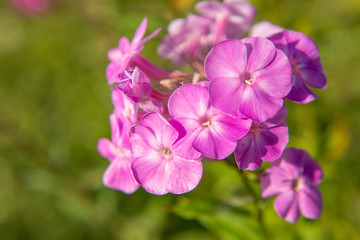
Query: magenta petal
x=113, y=70
x=150, y=172
x=261, y=52
x=106, y=149
x=225, y=94
x=274, y=181
x=140, y=32
x=184, y=147
x=274, y=140
x=164, y=132
x=226, y=60
x=230, y=128
x=286, y=205
x=311, y=169
x=209, y=8
x=246, y=154
x=314, y=78
x=276, y=79
x=143, y=141
x=182, y=175
x=189, y=100
x=258, y=106
x=264, y=29
x=210, y=144
x=310, y=202
x=279, y=117
x=119, y=176
x=300, y=41
x=300, y=93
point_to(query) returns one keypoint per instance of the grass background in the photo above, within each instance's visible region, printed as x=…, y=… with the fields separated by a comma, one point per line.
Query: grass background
x=55, y=102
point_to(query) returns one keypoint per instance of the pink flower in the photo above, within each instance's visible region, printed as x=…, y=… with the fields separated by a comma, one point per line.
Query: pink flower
x=248, y=77
x=294, y=178
x=157, y=166
x=265, y=141
x=32, y=7
x=118, y=175
x=264, y=29
x=230, y=18
x=121, y=56
x=306, y=64
x=208, y=130
x=187, y=39
x=135, y=84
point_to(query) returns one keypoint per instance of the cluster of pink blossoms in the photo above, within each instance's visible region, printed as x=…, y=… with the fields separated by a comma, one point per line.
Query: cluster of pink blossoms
x=233, y=103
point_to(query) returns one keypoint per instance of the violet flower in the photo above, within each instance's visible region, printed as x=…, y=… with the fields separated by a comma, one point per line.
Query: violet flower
x=231, y=18
x=135, y=84
x=157, y=166
x=294, y=178
x=265, y=141
x=248, y=77
x=208, y=130
x=118, y=175
x=120, y=57
x=306, y=64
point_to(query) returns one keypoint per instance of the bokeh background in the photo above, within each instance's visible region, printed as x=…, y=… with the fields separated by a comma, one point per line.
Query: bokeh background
x=55, y=103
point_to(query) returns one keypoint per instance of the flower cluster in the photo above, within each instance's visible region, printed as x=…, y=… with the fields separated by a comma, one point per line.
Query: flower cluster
x=233, y=103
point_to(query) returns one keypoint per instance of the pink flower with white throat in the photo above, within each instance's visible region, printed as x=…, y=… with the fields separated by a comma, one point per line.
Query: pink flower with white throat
x=157, y=167
x=294, y=178
x=208, y=130
x=248, y=77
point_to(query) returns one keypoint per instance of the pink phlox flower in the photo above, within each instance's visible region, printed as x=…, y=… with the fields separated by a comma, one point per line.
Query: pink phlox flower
x=157, y=166
x=265, y=142
x=306, y=65
x=294, y=178
x=124, y=107
x=187, y=39
x=135, y=84
x=32, y=7
x=208, y=131
x=231, y=18
x=120, y=57
x=118, y=174
x=264, y=29
x=248, y=77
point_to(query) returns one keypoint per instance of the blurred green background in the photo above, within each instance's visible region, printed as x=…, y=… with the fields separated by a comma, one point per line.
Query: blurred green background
x=55, y=103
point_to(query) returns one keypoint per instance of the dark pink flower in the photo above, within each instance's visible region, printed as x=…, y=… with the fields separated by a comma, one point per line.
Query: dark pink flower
x=305, y=61
x=157, y=167
x=135, y=84
x=230, y=18
x=118, y=175
x=248, y=77
x=294, y=178
x=208, y=130
x=265, y=141
x=120, y=57
x=124, y=107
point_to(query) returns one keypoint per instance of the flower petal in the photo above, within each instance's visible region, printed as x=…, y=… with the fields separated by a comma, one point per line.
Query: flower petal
x=274, y=181
x=226, y=60
x=182, y=175
x=119, y=176
x=210, y=144
x=260, y=51
x=225, y=94
x=310, y=202
x=299, y=92
x=190, y=100
x=246, y=154
x=287, y=206
x=164, y=132
x=106, y=149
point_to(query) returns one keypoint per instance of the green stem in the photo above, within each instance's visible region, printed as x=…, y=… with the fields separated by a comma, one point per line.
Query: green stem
x=258, y=205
